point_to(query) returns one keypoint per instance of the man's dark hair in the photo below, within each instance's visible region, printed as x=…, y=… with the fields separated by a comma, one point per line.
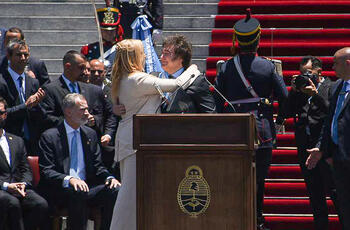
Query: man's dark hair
x=12, y=45
x=2, y=100
x=315, y=62
x=70, y=57
x=182, y=48
x=15, y=30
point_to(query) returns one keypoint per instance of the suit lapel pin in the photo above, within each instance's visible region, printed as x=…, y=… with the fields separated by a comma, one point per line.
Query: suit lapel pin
x=10, y=138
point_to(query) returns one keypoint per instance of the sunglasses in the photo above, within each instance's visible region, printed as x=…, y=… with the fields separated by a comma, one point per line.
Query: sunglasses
x=99, y=71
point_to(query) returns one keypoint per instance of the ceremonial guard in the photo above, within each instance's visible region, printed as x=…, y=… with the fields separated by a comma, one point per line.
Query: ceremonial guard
x=111, y=32
x=131, y=9
x=248, y=83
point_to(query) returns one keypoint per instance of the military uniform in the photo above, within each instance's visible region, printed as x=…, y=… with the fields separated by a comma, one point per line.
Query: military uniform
x=261, y=76
x=109, y=19
x=130, y=11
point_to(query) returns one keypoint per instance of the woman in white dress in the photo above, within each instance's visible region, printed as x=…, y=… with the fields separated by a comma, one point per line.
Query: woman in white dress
x=137, y=91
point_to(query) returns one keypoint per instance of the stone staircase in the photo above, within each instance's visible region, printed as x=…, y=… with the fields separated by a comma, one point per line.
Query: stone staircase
x=52, y=27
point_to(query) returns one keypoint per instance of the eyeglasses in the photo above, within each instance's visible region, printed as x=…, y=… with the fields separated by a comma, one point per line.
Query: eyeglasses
x=2, y=112
x=99, y=71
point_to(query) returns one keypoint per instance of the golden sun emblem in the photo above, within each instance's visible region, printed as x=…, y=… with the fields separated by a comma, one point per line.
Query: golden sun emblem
x=193, y=194
x=108, y=18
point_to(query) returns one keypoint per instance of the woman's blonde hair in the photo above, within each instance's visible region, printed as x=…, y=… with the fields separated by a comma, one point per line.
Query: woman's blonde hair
x=129, y=58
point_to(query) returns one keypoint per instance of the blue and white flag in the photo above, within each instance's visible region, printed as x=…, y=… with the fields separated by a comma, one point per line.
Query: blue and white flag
x=142, y=30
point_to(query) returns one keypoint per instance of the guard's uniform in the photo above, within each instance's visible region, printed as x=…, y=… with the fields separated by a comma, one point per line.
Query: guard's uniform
x=109, y=19
x=261, y=75
x=130, y=11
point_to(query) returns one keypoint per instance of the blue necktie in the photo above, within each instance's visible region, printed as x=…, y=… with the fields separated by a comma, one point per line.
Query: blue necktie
x=21, y=92
x=74, y=153
x=340, y=102
x=22, y=98
x=72, y=87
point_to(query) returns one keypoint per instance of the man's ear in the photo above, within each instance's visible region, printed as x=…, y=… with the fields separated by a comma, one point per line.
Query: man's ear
x=67, y=65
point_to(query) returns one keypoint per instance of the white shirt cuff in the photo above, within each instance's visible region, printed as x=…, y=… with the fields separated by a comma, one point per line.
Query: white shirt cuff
x=65, y=183
x=4, y=186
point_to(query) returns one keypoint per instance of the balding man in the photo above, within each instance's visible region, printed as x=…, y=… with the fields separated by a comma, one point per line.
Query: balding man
x=334, y=144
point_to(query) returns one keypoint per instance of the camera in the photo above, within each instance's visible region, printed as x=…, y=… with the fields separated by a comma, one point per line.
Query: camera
x=302, y=80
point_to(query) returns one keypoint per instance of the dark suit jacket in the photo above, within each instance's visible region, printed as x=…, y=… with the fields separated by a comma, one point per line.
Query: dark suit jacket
x=54, y=158
x=18, y=112
x=311, y=115
x=196, y=98
x=326, y=143
x=37, y=66
x=97, y=102
x=19, y=171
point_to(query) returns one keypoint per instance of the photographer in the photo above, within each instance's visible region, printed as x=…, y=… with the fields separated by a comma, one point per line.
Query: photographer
x=308, y=104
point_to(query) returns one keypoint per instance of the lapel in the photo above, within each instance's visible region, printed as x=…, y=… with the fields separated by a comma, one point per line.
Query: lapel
x=28, y=85
x=63, y=87
x=65, y=147
x=3, y=159
x=82, y=89
x=335, y=95
x=345, y=102
x=85, y=141
x=13, y=152
x=12, y=88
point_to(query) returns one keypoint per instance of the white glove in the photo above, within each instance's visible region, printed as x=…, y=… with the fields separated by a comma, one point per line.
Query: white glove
x=157, y=36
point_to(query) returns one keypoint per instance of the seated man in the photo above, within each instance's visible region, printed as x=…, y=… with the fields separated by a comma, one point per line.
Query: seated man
x=24, y=208
x=72, y=173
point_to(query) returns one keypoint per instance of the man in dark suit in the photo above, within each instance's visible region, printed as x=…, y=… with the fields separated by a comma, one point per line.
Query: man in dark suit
x=97, y=77
x=23, y=95
x=74, y=65
x=309, y=102
x=72, y=173
x=248, y=82
x=334, y=144
x=20, y=205
x=35, y=68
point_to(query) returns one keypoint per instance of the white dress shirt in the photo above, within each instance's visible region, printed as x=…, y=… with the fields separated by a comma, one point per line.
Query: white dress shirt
x=6, y=149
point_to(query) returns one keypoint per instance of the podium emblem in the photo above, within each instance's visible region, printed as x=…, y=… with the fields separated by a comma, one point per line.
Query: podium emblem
x=193, y=194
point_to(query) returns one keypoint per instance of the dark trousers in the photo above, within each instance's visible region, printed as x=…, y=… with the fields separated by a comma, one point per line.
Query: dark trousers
x=319, y=182
x=342, y=184
x=78, y=204
x=27, y=213
x=263, y=161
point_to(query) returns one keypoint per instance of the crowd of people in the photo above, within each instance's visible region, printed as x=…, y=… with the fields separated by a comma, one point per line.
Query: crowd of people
x=81, y=127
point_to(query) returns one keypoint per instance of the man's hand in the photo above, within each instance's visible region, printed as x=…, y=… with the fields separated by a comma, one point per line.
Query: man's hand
x=105, y=139
x=78, y=184
x=112, y=183
x=314, y=157
x=91, y=120
x=35, y=99
x=309, y=90
x=17, y=189
x=119, y=109
x=292, y=83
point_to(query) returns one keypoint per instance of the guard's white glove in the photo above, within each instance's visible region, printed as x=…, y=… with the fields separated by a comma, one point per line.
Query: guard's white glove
x=157, y=36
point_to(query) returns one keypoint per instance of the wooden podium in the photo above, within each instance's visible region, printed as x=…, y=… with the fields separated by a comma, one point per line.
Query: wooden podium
x=195, y=171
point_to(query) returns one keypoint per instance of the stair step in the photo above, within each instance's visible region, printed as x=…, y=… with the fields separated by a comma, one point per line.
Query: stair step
x=284, y=7
x=285, y=172
x=174, y=22
x=298, y=222
x=285, y=140
x=289, y=35
x=202, y=37
x=283, y=189
x=284, y=49
x=292, y=206
x=67, y=37
x=50, y=22
x=289, y=21
x=198, y=9
x=284, y=156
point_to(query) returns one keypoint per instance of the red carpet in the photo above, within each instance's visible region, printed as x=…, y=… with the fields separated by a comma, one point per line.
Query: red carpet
x=291, y=29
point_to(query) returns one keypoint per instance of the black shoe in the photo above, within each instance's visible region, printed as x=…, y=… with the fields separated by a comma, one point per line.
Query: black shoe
x=262, y=227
